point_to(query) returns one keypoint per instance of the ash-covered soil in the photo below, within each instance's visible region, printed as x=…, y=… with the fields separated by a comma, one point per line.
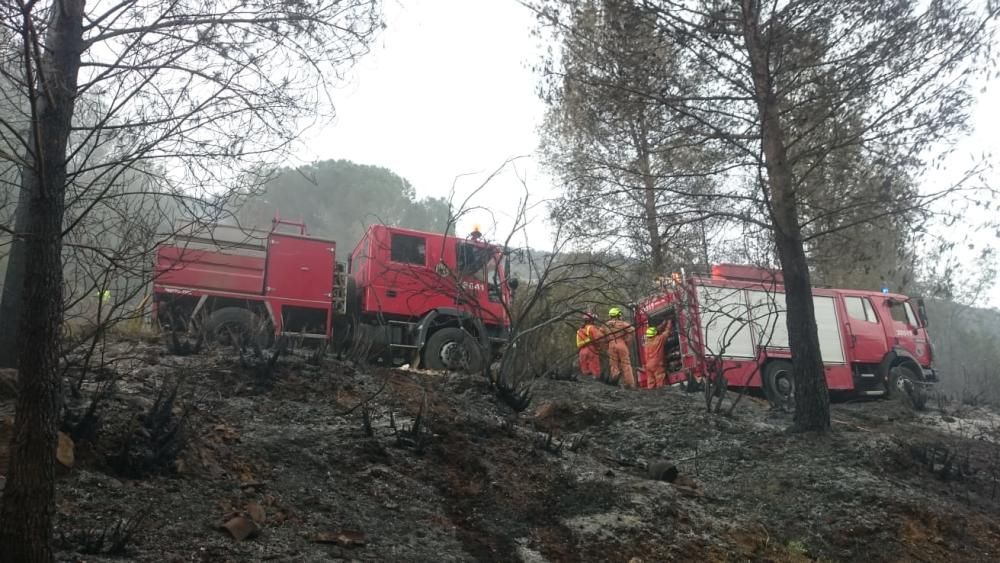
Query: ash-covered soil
x=337, y=462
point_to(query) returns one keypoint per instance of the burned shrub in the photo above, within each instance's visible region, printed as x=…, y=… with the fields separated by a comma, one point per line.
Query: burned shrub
x=178, y=344
x=949, y=462
x=516, y=395
x=415, y=436
x=262, y=365
x=179, y=338
x=112, y=539
x=367, y=414
x=82, y=414
x=511, y=379
x=952, y=464
x=152, y=441
x=317, y=354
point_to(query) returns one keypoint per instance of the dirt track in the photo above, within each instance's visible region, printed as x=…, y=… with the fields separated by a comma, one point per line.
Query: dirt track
x=566, y=481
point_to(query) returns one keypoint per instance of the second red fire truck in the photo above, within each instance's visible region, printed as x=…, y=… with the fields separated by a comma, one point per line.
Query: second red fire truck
x=731, y=323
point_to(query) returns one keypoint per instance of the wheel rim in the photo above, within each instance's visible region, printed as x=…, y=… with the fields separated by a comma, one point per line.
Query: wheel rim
x=454, y=356
x=784, y=386
x=904, y=384
x=232, y=334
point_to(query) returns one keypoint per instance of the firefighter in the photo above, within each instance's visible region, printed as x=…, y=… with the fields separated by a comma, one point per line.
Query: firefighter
x=653, y=351
x=103, y=301
x=588, y=338
x=618, y=332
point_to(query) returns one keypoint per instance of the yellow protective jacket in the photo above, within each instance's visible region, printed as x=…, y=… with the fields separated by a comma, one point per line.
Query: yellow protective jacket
x=587, y=335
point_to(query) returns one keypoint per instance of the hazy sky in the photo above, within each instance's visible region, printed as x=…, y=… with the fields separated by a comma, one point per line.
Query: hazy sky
x=448, y=90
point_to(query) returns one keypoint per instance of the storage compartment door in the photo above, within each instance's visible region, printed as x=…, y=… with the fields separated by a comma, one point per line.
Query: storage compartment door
x=300, y=268
x=725, y=322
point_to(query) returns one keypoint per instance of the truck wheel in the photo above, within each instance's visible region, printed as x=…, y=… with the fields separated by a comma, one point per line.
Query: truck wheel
x=691, y=384
x=904, y=383
x=779, y=383
x=235, y=323
x=453, y=349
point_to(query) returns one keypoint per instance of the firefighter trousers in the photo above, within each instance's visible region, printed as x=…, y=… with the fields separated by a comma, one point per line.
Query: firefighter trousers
x=590, y=362
x=656, y=375
x=621, y=363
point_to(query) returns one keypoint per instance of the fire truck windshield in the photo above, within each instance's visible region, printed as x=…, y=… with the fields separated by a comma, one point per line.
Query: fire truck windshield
x=472, y=260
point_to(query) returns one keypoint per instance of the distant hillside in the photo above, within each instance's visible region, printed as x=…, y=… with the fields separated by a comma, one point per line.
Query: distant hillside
x=966, y=349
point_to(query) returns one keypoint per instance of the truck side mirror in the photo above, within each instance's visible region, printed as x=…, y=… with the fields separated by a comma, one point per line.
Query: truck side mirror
x=512, y=283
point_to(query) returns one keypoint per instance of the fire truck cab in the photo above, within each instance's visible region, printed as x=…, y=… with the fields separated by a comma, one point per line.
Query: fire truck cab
x=412, y=290
x=732, y=323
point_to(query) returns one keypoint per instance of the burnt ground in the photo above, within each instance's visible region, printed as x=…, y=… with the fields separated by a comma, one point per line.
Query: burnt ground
x=567, y=480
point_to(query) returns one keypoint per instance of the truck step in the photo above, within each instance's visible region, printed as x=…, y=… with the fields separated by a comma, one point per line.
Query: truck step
x=877, y=393
x=304, y=335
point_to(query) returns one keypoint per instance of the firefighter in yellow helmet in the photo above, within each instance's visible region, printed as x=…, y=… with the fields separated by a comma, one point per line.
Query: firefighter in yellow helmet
x=653, y=354
x=103, y=304
x=618, y=332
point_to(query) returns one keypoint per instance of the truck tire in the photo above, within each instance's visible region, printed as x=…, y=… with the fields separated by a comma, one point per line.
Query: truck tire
x=453, y=349
x=224, y=324
x=905, y=384
x=779, y=383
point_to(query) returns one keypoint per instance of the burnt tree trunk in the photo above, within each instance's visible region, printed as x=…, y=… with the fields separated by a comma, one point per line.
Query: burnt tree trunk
x=29, y=496
x=650, y=211
x=13, y=287
x=812, y=398
x=704, y=246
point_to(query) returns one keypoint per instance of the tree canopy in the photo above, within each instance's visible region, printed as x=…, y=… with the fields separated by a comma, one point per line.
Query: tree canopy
x=339, y=199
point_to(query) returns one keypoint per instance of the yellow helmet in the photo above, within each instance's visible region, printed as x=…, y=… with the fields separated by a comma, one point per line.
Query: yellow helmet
x=615, y=312
x=651, y=332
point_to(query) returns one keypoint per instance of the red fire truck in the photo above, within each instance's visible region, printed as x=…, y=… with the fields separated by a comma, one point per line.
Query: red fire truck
x=732, y=322
x=403, y=295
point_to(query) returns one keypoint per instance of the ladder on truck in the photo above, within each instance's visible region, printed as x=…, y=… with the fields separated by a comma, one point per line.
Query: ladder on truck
x=340, y=289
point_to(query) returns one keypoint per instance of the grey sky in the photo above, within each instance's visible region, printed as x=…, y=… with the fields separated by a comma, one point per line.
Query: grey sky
x=448, y=90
